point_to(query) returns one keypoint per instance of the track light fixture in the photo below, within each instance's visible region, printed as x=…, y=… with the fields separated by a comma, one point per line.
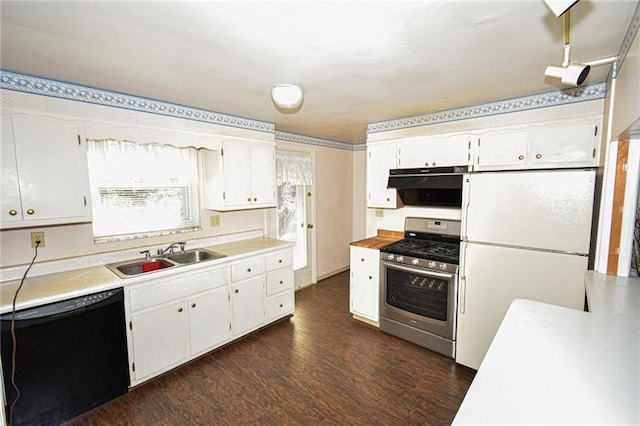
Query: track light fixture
x=572, y=74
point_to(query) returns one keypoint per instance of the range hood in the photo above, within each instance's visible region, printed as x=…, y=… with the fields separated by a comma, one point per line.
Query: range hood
x=436, y=187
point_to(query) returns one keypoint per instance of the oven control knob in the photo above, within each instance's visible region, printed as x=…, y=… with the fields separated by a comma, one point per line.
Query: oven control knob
x=416, y=261
x=390, y=257
x=399, y=259
x=443, y=266
x=431, y=264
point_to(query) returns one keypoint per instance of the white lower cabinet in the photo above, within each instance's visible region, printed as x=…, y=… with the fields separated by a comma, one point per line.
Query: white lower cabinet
x=364, y=289
x=174, y=319
x=247, y=305
x=160, y=339
x=209, y=315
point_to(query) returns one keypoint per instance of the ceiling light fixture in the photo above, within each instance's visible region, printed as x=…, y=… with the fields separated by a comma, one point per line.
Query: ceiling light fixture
x=573, y=74
x=287, y=96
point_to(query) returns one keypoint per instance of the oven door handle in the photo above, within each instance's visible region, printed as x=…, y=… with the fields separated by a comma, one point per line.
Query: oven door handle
x=418, y=271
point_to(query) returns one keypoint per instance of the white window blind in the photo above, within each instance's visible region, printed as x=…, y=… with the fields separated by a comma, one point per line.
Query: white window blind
x=141, y=189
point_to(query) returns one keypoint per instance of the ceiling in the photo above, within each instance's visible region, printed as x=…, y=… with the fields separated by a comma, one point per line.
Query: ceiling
x=358, y=62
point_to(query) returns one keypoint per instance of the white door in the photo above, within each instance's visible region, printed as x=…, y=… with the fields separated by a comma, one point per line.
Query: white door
x=434, y=151
x=236, y=162
x=247, y=305
x=364, y=293
x=52, y=168
x=380, y=159
x=295, y=211
x=539, y=209
x=498, y=150
x=11, y=205
x=263, y=174
x=160, y=338
x=209, y=319
x=493, y=276
x=574, y=144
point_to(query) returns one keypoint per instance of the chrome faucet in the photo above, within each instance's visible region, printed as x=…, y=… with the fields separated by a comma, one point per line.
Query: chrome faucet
x=169, y=249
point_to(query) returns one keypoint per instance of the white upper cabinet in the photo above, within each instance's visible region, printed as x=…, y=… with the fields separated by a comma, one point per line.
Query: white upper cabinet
x=547, y=145
x=242, y=175
x=44, y=173
x=381, y=157
x=434, y=151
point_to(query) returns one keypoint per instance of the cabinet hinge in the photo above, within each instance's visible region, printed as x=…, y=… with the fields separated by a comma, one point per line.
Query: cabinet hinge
x=594, y=153
x=222, y=152
x=596, y=132
x=229, y=326
x=369, y=154
x=85, y=201
x=79, y=142
x=133, y=367
x=130, y=325
x=224, y=196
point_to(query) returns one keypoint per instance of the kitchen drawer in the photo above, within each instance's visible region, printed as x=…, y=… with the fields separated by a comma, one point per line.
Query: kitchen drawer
x=280, y=305
x=365, y=257
x=278, y=260
x=173, y=288
x=247, y=269
x=279, y=281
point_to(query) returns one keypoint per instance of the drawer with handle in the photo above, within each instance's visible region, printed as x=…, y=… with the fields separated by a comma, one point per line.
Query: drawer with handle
x=247, y=269
x=279, y=281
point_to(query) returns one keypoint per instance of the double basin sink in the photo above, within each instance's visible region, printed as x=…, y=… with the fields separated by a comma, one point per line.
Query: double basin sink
x=131, y=268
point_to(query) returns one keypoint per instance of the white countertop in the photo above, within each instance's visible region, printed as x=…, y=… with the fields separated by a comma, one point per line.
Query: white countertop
x=550, y=364
x=54, y=287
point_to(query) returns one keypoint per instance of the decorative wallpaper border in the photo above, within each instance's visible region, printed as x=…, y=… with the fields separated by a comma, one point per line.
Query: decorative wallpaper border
x=629, y=37
x=59, y=89
x=540, y=100
x=309, y=140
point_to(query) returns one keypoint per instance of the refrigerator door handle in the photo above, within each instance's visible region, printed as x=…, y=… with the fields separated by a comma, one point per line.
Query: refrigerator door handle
x=463, y=292
x=466, y=187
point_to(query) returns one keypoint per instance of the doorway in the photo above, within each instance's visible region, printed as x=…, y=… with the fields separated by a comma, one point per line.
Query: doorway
x=294, y=171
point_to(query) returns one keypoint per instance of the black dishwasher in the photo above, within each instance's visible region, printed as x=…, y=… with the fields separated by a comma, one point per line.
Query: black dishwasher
x=71, y=356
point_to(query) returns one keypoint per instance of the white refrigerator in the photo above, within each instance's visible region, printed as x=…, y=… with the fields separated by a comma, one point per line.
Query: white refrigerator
x=525, y=235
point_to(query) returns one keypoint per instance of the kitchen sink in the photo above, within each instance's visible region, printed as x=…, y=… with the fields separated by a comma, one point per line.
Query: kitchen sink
x=136, y=268
x=131, y=268
x=194, y=256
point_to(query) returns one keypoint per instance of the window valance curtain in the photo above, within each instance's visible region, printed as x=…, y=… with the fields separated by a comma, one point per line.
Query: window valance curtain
x=293, y=168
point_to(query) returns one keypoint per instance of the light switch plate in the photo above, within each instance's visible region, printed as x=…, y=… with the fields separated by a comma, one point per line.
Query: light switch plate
x=379, y=213
x=214, y=220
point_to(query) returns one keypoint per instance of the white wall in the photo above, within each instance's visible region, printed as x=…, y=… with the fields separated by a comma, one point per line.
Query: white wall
x=626, y=101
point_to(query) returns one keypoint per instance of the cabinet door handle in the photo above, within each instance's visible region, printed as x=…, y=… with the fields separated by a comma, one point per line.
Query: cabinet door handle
x=13, y=212
x=520, y=157
x=279, y=260
x=255, y=199
x=281, y=305
x=248, y=269
x=388, y=199
x=193, y=305
x=538, y=156
x=179, y=309
x=249, y=199
x=30, y=211
x=309, y=226
x=281, y=282
x=370, y=277
x=236, y=290
x=426, y=164
x=362, y=259
x=433, y=164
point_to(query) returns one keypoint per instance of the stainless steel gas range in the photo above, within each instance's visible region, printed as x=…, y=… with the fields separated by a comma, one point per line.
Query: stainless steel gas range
x=419, y=284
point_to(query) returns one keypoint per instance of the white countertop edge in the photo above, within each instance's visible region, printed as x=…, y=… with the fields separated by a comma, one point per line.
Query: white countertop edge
x=107, y=280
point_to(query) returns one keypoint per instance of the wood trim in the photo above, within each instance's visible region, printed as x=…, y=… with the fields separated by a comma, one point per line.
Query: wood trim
x=390, y=234
x=617, y=207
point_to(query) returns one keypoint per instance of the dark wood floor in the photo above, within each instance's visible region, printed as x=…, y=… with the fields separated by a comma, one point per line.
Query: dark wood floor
x=320, y=366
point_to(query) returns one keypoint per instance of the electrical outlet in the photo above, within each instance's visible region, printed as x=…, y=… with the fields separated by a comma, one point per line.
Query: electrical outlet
x=214, y=220
x=35, y=237
x=379, y=213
